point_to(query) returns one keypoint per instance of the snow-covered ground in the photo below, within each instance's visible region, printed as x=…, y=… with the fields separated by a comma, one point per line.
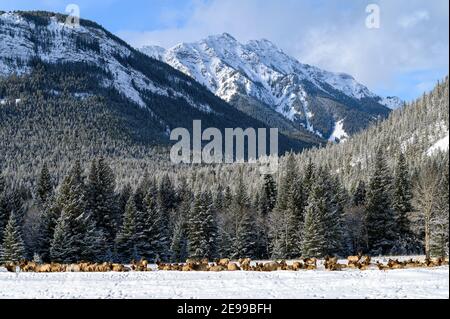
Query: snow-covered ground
x=350, y=284
x=441, y=145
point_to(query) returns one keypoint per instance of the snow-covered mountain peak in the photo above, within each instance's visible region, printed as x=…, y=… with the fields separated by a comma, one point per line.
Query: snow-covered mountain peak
x=261, y=71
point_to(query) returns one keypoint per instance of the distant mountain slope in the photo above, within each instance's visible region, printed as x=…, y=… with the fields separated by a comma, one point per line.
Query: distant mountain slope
x=420, y=130
x=67, y=92
x=261, y=80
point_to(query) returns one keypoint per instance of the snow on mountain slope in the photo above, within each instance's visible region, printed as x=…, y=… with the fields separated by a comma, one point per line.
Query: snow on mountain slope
x=24, y=39
x=339, y=133
x=392, y=102
x=440, y=146
x=262, y=71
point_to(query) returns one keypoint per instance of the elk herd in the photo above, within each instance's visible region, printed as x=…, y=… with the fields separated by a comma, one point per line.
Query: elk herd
x=329, y=263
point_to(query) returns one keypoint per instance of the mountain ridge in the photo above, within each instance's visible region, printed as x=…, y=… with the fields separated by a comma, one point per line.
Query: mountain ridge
x=259, y=72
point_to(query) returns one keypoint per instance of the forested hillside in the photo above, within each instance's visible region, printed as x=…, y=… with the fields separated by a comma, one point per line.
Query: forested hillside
x=76, y=93
x=394, y=202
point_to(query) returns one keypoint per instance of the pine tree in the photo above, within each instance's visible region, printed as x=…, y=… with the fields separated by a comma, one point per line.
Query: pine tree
x=126, y=238
x=47, y=223
x=359, y=196
x=245, y=244
x=166, y=198
x=4, y=211
x=202, y=228
x=380, y=218
x=402, y=198
x=102, y=200
x=240, y=205
x=268, y=197
x=440, y=220
x=96, y=248
x=44, y=187
x=314, y=242
x=287, y=180
x=198, y=241
x=13, y=247
x=335, y=231
x=69, y=239
x=62, y=247
x=178, y=246
x=295, y=212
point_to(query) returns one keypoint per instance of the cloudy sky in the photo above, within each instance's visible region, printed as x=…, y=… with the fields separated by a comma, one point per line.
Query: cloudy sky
x=405, y=56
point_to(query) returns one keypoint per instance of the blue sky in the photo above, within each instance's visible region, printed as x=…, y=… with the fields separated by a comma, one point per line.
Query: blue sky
x=406, y=56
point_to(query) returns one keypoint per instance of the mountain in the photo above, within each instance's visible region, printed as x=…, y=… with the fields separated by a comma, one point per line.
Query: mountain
x=261, y=80
x=419, y=130
x=78, y=92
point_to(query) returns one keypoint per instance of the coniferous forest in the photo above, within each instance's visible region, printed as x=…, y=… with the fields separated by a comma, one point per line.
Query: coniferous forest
x=305, y=211
x=85, y=176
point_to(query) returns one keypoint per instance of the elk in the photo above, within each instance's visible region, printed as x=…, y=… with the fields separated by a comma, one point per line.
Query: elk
x=223, y=262
x=270, y=266
x=232, y=267
x=217, y=268
x=245, y=264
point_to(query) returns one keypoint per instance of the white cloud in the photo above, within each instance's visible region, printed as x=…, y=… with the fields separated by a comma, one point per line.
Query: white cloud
x=413, y=19
x=413, y=34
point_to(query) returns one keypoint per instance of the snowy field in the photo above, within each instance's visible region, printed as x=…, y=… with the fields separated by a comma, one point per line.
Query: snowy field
x=349, y=284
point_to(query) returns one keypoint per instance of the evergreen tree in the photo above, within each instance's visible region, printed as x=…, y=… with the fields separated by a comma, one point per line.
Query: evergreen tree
x=4, y=211
x=380, y=218
x=440, y=220
x=295, y=212
x=69, y=239
x=166, y=198
x=287, y=180
x=202, y=229
x=402, y=198
x=46, y=229
x=335, y=231
x=62, y=248
x=359, y=196
x=13, y=247
x=178, y=246
x=126, y=238
x=96, y=248
x=102, y=200
x=268, y=197
x=245, y=244
x=44, y=187
x=314, y=242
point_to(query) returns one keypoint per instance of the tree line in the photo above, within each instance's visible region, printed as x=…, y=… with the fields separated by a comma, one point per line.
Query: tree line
x=303, y=212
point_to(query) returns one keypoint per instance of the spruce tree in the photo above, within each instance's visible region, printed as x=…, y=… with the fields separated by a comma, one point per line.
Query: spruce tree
x=69, y=238
x=402, y=198
x=314, y=241
x=13, y=247
x=380, y=218
x=335, y=231
x=295, y=213
x=44, y=187
x=62, y=248
x=166, y=198
x=96, y=248
x=440, y=220
x=359, y=196
x=126, y=247
x=198, y=241
x=178, y=246
x=4, y=212
x=245, y=244
x=47, y=222
x=102, y=200
x=286, y=181
x=268, y=197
